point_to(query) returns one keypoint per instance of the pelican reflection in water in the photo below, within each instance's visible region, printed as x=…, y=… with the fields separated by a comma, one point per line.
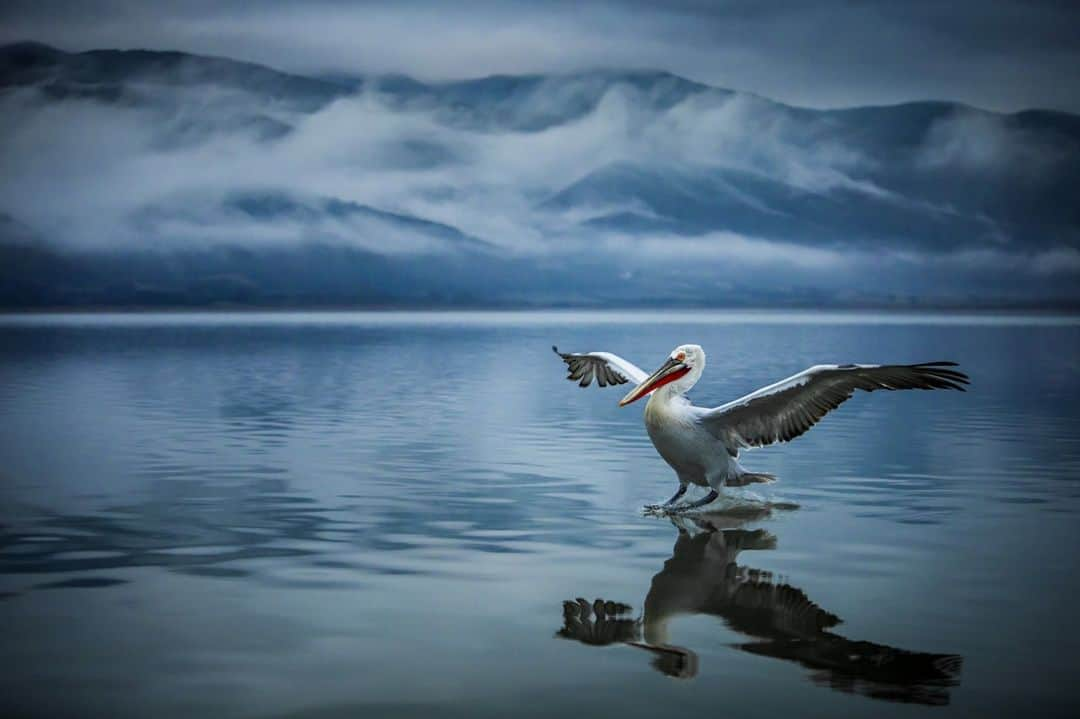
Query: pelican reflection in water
x=702, y=577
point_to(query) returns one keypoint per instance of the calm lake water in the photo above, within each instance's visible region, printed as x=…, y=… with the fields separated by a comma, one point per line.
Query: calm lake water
x=293, y=515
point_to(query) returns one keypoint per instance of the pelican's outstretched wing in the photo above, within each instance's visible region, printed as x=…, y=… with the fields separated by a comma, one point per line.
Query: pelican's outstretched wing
x=786, y=409
x=604, y=366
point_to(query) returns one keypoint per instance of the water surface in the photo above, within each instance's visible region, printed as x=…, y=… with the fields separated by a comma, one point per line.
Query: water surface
x=282, y=515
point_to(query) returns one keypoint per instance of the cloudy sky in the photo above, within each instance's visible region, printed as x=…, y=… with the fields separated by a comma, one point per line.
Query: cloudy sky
x=997, y=54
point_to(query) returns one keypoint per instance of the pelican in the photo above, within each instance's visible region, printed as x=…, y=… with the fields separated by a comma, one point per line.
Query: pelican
x=702, y=444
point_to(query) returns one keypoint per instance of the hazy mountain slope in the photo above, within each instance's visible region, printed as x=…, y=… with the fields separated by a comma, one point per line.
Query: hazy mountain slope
x=117, y=74
x=138, y=176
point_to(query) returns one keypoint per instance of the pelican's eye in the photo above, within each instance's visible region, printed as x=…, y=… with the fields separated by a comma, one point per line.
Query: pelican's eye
x=681, y=357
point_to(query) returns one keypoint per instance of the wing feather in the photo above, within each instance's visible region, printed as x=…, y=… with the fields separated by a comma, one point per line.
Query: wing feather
x=604, y=367
x=782, y=411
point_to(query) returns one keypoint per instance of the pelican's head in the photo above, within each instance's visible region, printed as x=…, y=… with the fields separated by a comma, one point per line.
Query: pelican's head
x=681, y=371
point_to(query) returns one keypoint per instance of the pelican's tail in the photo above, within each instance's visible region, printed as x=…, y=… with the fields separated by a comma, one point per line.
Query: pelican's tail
x=745, y=478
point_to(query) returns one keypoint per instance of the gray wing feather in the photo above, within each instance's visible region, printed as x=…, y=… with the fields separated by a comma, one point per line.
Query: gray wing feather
x=604, y=367
x=787, y=409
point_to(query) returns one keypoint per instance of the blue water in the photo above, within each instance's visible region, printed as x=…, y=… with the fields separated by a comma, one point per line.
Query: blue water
x=289, y=515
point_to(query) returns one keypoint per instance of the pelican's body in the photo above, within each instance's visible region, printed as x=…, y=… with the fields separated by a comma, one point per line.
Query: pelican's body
x=696, y=456
x=702, y=444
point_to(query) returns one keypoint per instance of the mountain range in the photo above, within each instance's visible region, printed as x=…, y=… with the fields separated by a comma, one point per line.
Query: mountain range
x=146, y=178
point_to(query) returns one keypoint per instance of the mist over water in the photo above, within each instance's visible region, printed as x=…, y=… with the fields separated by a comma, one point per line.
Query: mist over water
x=395, y=514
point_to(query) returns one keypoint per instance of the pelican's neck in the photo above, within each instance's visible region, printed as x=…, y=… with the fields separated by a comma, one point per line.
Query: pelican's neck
x=666, y=397
x=667, y=408
x=655, y=630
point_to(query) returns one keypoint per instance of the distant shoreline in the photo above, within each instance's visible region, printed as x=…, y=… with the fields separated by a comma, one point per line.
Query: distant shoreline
x=1039, y=307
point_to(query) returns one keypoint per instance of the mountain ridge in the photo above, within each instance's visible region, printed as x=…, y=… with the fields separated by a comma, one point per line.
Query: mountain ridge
x=337, y=78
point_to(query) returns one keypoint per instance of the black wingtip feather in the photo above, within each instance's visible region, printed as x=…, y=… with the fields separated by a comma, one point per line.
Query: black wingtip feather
x=952, y=379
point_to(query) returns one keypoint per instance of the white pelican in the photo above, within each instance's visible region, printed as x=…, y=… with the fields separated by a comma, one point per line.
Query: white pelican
x=702, y=444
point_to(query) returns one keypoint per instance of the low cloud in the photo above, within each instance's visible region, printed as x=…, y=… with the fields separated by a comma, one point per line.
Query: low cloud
x=980, y=141
x=730, y=250
x=79, y=170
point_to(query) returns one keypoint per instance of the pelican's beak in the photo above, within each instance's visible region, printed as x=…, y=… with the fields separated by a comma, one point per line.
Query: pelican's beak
x=671, y=370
